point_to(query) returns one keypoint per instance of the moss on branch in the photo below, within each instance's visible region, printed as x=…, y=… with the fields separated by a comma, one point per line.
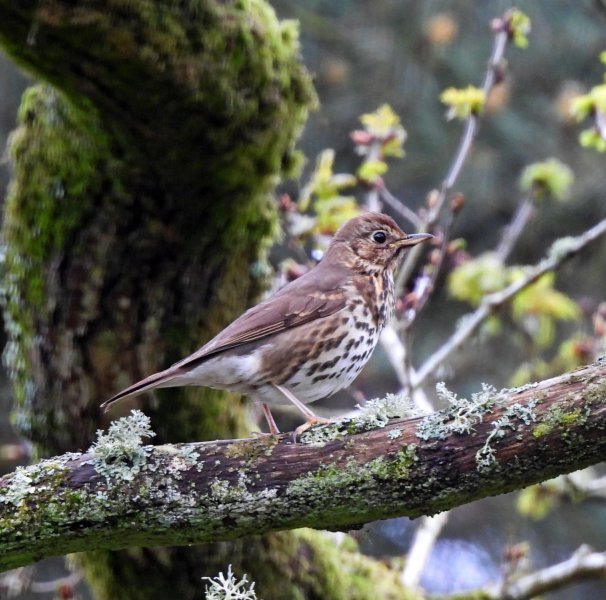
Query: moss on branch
x=189, y=493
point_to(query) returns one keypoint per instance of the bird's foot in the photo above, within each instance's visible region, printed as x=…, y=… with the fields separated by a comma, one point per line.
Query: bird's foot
x=311, y=422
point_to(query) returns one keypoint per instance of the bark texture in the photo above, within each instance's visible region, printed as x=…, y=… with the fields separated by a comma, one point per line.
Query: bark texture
x=340, y=476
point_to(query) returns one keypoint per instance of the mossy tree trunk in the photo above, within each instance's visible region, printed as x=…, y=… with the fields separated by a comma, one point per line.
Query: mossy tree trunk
x=137, y=223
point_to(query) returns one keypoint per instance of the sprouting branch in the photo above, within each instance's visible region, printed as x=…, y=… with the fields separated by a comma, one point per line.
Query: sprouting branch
x=469, y=133
x=339, y=476
x=560, y=251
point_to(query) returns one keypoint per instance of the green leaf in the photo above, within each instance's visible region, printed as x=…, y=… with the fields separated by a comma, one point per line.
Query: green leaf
x=381, y=122
x=591, y=138
x=370, y=170
x=537, y=501
x=323, y=183
x=519, y=27
x=541, y=298
x=588, y=105
x=550, y=178
x=383, y=125
x=333, y=212
x=473, y=279
x=462, y=103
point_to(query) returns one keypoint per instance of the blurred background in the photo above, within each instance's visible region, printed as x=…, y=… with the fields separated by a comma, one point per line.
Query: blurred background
x=364, y=54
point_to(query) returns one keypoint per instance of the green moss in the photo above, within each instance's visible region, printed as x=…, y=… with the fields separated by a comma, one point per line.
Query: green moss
x=251, y=450
x=595, y=393
x=354, y=476
x=557, y=418
x=207, y=100
x=398, y=467
x=56, y=180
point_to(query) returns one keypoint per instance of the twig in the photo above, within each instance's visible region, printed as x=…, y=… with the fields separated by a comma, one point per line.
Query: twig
x=583, y=564
x=436, y=269
x=596, y=487
x=600, y=123
x=372, y=195
x=471, y=128
x=47, y=587
x=398, y=357
x=586, y=485
x=561, y=250
x=400, y=208
x=424, y=540
x=514, y=229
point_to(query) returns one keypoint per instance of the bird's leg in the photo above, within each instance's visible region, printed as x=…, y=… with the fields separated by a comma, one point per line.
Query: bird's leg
x=273, y=428
x=311, y=417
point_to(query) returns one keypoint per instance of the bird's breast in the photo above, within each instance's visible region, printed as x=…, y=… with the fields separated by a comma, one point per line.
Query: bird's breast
x=377, y=294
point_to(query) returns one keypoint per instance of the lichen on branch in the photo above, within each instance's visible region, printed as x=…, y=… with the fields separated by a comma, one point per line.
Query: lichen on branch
x=189, y=493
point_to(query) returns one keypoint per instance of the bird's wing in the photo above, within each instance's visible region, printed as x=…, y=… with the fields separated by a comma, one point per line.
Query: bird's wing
x=298, y=303
x=301, y=301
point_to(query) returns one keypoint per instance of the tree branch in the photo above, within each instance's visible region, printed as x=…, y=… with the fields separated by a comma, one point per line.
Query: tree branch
x=561, y=250
x=583, y=564
x=339, y=477
x=468, y=136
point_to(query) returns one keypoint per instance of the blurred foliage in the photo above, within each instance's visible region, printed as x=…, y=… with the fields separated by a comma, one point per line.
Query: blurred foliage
x=322, y=207
x=462, y=103
x=537, y=501
x=592, y=104
x=383, y=126
x=403, y=54
x=519, y=26
x=323, y=195
x=472, y=280
x=534, y=310
x=548, y=178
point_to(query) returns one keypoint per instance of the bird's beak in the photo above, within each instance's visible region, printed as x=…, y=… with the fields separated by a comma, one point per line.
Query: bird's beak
x=412, y=240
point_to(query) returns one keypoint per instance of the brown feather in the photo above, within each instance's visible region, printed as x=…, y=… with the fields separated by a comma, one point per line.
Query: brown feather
x=301, y=301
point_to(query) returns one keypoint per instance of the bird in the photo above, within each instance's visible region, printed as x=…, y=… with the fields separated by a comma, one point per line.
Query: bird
x=312, y=337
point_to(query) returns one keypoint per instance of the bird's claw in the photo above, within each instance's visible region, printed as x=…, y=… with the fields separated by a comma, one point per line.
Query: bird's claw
x=311, y=422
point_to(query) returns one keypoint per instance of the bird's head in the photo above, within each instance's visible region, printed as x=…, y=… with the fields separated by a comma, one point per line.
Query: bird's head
x=372, y=242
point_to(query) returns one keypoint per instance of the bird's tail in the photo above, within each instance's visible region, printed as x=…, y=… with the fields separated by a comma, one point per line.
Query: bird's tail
x=162, y=379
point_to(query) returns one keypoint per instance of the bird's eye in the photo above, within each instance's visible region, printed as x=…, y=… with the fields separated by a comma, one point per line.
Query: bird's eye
x=379, y=237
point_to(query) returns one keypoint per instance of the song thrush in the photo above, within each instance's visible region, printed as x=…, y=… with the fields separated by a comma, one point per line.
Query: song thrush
x=312, y=337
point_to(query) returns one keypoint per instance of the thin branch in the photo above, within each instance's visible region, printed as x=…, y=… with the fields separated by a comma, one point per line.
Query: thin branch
x=600, y=123
x=498, y=51
x=372, y=195
x=583, y=564
x=469, y=133
x=426, y=535
x=561, y=250
x=515, y=228
x=121, y=495
x=584, y=485
x=428, y=285
x=401, y=208
x=595, y=487
x=398, y=357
